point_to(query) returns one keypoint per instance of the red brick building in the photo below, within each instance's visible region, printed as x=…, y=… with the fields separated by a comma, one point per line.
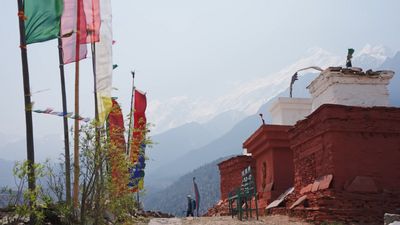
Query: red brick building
x=270, y=148
x=343, y=159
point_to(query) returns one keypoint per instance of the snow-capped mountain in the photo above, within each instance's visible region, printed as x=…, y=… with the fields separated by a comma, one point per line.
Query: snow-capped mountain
x=247, y=97
x=372, y=57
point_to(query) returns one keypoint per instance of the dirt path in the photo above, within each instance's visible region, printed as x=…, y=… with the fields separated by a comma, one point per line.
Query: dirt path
x=270, y=220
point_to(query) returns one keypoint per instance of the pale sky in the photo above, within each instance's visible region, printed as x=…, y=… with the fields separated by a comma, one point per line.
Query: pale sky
x=196, y=49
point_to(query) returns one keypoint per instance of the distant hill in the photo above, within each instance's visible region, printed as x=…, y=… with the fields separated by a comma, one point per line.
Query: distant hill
x=178, y=141
x=6, y=173
x=173, y=198
x=228, y=144
x=46, y=147
x=231, y=142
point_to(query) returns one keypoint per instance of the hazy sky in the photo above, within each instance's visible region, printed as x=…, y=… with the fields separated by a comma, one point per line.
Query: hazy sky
x=190, y=48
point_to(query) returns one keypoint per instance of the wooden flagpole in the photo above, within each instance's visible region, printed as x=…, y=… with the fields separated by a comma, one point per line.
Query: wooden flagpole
x=96, y=110
x=131, y=114
x=98, y=164
x=130, y=125
x=28, y=105
x=65, y=121
x=76, y=123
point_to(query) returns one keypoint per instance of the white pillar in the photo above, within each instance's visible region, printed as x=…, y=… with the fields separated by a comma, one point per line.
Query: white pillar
x=287, y=111
x=346, y=87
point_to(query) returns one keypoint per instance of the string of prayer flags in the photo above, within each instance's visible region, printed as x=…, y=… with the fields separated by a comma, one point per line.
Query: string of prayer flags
x=61, y=114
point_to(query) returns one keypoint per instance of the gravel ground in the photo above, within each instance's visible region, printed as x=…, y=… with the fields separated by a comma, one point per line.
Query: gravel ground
x=225, y=220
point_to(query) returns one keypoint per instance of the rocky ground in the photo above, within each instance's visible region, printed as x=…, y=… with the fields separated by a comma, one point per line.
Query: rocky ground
x=226, y=220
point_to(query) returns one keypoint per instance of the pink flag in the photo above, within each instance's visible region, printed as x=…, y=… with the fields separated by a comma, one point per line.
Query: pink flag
x=69, y=28
x=89, y=27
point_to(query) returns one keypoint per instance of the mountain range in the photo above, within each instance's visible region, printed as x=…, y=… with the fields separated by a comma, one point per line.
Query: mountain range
x=248, y=96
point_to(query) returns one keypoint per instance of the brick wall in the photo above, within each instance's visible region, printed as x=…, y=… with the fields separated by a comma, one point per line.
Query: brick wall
x=230, y=173
x=360, y=147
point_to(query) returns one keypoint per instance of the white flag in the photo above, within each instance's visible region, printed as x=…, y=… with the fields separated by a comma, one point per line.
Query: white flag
x=104, y=64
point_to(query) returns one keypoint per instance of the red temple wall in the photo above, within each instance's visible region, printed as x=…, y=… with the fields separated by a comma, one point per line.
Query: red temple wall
x=360, y=147
x=270, y=145
x=284, y=169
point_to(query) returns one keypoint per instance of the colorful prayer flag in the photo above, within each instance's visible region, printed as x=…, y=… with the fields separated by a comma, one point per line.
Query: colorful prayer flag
x=117, y=156
x=42, y=20
x=139, y=124
x=137, y=143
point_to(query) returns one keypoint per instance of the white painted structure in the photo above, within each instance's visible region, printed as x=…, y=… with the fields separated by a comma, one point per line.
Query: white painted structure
x=336, y=87
x=287, y=111
x=245, y=152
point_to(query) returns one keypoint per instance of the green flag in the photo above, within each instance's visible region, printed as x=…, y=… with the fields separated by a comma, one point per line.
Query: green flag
x=42, y=19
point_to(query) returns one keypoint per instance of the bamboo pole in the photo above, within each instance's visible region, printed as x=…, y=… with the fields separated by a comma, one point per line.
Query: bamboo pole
x=65, y=123
x=28, y=105
x=76, y=122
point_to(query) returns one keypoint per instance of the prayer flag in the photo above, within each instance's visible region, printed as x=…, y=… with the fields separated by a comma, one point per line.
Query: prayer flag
x=117, y=156
x=92, y=15
x=104, y=65
x=89, y=27
x=139, y=124
x=69, y=29
x=42, y=19
x=138, y=145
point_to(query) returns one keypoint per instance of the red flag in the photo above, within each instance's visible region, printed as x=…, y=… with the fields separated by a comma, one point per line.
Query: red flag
x=139, y=124
x=118, y=162
x=92, y=15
